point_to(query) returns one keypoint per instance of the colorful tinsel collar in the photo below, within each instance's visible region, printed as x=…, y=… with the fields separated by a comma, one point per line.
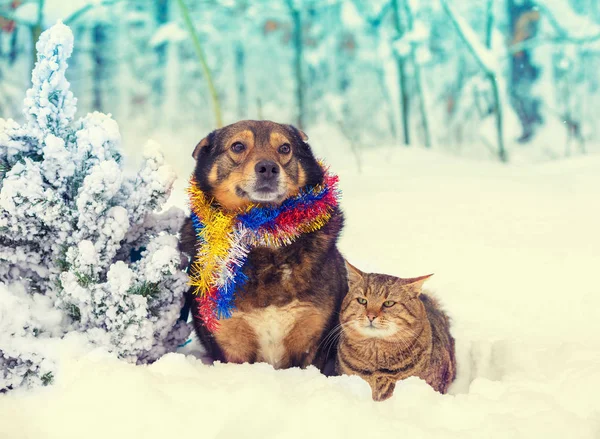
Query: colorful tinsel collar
x=225, y=239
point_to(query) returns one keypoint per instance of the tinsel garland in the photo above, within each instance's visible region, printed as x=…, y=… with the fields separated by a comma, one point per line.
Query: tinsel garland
x=226, y=238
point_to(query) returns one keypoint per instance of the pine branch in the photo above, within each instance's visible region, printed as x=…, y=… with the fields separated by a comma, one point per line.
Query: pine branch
x=145, y=289
x=47, y=378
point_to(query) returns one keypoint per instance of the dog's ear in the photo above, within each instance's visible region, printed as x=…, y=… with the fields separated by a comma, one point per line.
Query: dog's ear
x=204, y=143
x=300, y=133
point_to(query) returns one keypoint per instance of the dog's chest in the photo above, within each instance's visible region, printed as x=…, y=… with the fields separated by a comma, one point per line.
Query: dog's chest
x=280, y=313
x=272, y=325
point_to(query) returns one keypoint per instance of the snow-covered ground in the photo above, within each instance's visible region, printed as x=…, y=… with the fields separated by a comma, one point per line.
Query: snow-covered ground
x=515, y=252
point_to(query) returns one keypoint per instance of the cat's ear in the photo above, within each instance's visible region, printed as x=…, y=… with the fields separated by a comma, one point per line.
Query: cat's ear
x=415, y=284
x=354, y=274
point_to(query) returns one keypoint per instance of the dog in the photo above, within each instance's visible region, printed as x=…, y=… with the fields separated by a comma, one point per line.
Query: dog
x=290, y=302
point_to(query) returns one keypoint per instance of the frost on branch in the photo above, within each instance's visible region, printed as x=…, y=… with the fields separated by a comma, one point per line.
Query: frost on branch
x=80, y=235
x=29, y=327
x=50, y=105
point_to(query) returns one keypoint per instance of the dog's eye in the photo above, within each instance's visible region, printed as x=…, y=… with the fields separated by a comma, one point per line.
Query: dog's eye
x=285, y=149
x=389, y=303
x=238, y=147
x=362, y=301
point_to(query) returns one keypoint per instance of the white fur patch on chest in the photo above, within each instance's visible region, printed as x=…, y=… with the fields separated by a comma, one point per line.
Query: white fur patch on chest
x=271, y=325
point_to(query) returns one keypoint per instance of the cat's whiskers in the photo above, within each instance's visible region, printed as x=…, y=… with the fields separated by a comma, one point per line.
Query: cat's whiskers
x=331, y=335
x=335, y=341
x=334, y=337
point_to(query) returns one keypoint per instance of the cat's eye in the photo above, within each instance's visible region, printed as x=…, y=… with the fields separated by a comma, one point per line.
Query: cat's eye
x=389, y=303
x=362, y=301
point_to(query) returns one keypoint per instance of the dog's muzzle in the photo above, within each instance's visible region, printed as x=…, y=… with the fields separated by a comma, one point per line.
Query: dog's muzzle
x=266, y=186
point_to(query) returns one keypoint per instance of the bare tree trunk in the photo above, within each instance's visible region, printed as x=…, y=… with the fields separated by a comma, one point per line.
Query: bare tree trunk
x=202, y=60
x=98, y=66
x=498, y=110
x=297, y=39
x=388, y=101
x=259, y=109
x=162, y=17
x=401, y=65
x=12, y=55
x=523, y=18
x=463, y=29
x=240, y=78
x=36, y=31
x=418, y=80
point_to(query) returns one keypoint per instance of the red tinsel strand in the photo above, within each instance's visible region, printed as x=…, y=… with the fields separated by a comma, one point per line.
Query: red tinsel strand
x=207, y=311
x=290, y=220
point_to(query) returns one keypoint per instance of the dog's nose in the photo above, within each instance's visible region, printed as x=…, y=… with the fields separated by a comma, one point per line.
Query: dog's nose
x=267, y=169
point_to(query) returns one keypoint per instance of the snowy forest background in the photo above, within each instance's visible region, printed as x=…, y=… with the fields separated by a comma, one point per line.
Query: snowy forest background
x=91, y=280
x=494, y=79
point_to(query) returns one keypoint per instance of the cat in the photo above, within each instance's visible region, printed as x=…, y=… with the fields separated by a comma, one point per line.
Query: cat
x=390, y=330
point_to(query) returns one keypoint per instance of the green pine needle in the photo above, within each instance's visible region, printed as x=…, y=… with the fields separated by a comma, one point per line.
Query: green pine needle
x=145, y=289
x=74, y=312
x=85, y=280
x=47, y=378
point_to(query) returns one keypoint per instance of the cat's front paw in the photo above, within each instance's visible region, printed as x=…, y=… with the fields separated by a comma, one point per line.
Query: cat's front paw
x=383, y=389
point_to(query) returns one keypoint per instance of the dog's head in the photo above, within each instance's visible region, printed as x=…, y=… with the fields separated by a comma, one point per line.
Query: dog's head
x=254, y=162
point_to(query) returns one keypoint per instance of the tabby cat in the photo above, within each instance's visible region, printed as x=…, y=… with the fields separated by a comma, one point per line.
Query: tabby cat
x=391, y=331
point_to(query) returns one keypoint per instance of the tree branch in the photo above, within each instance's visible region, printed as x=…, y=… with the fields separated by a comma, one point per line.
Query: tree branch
x=200, y=54
x=486, y=61
x=85, y=9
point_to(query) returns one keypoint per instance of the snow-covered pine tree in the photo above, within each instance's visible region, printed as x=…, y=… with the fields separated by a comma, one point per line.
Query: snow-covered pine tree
x=81, y=245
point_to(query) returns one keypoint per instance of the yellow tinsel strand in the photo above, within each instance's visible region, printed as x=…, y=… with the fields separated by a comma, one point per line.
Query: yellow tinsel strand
x=215, y=236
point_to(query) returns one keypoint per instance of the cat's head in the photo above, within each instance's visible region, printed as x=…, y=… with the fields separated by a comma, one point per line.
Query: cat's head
x=382, y=306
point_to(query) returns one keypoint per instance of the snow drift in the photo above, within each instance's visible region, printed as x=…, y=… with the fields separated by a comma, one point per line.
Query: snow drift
x=514, y=251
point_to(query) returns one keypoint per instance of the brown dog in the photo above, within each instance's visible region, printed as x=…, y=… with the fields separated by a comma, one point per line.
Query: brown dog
x=293, y=294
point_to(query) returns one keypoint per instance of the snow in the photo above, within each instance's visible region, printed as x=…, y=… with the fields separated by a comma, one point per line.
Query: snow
x=28, y=13
x=351, y=17
x=170, y=32
x=514, y=250
x=53, y=10
x=416, y=37
x=27, y=337
x=569, y=22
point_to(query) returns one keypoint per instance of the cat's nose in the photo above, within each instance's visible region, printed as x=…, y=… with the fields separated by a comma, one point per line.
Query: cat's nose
x=371, y=317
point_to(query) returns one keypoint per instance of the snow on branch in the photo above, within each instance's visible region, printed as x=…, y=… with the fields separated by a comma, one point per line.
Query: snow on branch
x=50, y=105
x=484, y=57
x=574, y=27
x=488, y=63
